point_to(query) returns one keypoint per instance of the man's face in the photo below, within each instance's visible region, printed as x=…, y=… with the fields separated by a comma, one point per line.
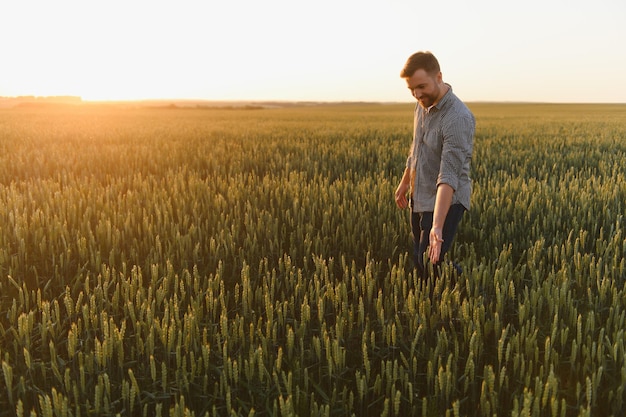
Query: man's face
x=424, y=87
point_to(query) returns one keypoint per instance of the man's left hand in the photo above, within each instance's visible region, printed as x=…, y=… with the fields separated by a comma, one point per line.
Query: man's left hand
x=434, y=249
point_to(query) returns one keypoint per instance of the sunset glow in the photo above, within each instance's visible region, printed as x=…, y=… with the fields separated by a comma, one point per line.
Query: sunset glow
x=322, y=51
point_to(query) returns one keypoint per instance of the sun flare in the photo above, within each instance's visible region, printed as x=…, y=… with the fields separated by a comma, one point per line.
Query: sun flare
x=311, y=51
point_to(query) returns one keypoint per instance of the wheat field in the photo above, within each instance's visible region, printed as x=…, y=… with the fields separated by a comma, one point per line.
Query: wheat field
x=252, y=262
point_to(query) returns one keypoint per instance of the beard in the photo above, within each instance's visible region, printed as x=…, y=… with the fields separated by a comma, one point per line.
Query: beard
x=428, y=100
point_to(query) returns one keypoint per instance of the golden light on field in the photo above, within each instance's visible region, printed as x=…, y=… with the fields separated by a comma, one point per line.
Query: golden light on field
x=329, y=50
x=217, y=262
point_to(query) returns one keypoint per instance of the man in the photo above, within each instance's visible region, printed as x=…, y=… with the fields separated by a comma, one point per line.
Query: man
x=436, y=179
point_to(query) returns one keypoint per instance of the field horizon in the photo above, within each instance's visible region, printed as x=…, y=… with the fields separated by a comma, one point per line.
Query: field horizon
x=22, y=101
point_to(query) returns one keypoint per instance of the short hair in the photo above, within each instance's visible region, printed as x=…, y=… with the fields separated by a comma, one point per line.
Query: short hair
x=421, y=60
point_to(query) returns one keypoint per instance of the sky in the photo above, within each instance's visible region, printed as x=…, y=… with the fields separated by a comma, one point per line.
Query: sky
x=321, y=50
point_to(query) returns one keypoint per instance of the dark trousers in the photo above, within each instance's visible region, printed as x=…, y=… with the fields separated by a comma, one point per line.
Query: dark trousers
x=421, y=223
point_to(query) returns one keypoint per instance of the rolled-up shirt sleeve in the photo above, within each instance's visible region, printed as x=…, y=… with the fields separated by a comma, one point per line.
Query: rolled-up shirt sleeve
x=457, y=150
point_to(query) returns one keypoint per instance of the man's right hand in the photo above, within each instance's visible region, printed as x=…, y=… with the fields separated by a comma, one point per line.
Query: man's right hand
x=401, y=192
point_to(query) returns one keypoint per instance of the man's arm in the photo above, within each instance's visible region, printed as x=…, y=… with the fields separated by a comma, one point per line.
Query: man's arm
x=443, y=201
